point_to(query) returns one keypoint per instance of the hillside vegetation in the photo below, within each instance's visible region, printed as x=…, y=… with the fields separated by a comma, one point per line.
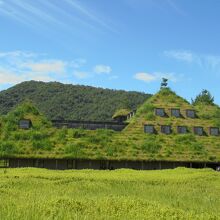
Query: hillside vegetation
x=123, y=194
x=60, y=101
x=45, y=141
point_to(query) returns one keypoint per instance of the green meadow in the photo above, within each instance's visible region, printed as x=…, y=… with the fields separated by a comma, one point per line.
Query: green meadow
x=35, y=194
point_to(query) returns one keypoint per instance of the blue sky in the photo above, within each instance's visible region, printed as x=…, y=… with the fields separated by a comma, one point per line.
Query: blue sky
x=118, y=44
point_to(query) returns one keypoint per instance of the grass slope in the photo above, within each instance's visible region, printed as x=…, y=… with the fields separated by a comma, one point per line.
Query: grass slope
x=175, y=146
x=36, y=194
x=44, y=141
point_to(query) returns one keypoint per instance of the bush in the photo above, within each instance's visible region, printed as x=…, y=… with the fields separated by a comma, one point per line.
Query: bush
x=197, y=146
x=7, y=148
x=38, y=135
x=42, y=144
x=146, y=108
x=74, y=149
x=21, y=136
x=185, y=139
x=150, y=116
x=151, y=145
x=78, y=133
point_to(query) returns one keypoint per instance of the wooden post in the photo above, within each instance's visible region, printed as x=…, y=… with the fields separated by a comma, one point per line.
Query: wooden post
x=56, y=164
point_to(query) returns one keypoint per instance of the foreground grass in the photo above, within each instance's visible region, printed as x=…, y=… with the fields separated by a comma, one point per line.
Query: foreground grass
x=121, y=194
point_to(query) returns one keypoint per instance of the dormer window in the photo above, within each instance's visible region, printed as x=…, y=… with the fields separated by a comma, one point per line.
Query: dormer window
x=199, y=131
x=190, y=113
x=166, y=129
x=214, y=131
x=175, y=112
x=25, y=124
x=160, y=112
x=181, y=129
x=149, y=129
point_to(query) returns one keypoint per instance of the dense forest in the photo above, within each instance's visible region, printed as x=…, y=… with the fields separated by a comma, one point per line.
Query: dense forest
x=76, y=102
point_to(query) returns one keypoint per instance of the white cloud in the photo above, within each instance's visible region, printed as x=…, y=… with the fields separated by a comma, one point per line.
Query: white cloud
x=7, y=77
x=146, y=77
x=186, y=56
x=77, y=63
x=100, y=69
x=205, y=61
x=47, y=66
x=19, y=66
x=113, y=77
x=17, y=53
x=157, y=76
x=81, y=75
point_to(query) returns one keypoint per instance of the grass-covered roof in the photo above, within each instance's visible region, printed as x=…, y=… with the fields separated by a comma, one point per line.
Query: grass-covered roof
x=132, y=143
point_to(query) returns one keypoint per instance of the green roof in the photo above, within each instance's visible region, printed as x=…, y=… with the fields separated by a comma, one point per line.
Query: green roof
x=45, y=141
x=121, y=112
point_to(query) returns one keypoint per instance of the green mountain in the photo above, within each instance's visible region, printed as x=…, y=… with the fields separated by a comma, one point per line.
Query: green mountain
x=73, y=102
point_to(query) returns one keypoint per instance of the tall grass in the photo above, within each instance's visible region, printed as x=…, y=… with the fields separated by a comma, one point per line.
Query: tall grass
x=122, y=194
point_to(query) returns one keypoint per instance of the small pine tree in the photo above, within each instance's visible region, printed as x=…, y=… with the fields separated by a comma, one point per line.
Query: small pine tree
x=164, y=83
x=204, y=97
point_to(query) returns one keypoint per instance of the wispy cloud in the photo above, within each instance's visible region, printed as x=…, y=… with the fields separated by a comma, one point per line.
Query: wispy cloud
x=175, y=7
x=66, y=15
x=157, y=76
x=81, y=75
x=205, y=61
x=47, y=66
x=19, y=66
x=102, y=69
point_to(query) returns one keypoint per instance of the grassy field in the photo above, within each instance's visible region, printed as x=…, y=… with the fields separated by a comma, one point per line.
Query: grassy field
x=121, y=194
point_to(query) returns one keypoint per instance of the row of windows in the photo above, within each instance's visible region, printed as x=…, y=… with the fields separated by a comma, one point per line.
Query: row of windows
x=167, y=129
x=175, y=112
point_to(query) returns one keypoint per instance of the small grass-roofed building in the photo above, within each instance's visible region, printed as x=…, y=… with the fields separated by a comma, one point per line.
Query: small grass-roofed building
x=149, y=129
x=182, y=129
x=166, y=129
x=121, y=115
x=25, y=124
x=160, y=112
x=214, y=131
x=198, y=130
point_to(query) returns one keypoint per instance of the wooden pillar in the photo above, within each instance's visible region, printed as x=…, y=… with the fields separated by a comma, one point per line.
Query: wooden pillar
x=160, y=165
x=56, y=164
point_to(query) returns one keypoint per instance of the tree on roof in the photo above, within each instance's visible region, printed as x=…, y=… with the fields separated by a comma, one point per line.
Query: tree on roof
x=164, y=83
x=204, y=97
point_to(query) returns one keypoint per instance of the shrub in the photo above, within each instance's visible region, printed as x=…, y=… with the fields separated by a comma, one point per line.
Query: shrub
x=38, y=135
x=74, y=149
x=185, y=139
x=7, y=148
x=150, y=116
x=21, y=136
x=78, y=133
x=151, y=145
x=42, y=144
x=197, y=146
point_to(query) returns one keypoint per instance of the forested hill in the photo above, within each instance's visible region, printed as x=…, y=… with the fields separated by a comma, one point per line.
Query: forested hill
x=76, y=102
